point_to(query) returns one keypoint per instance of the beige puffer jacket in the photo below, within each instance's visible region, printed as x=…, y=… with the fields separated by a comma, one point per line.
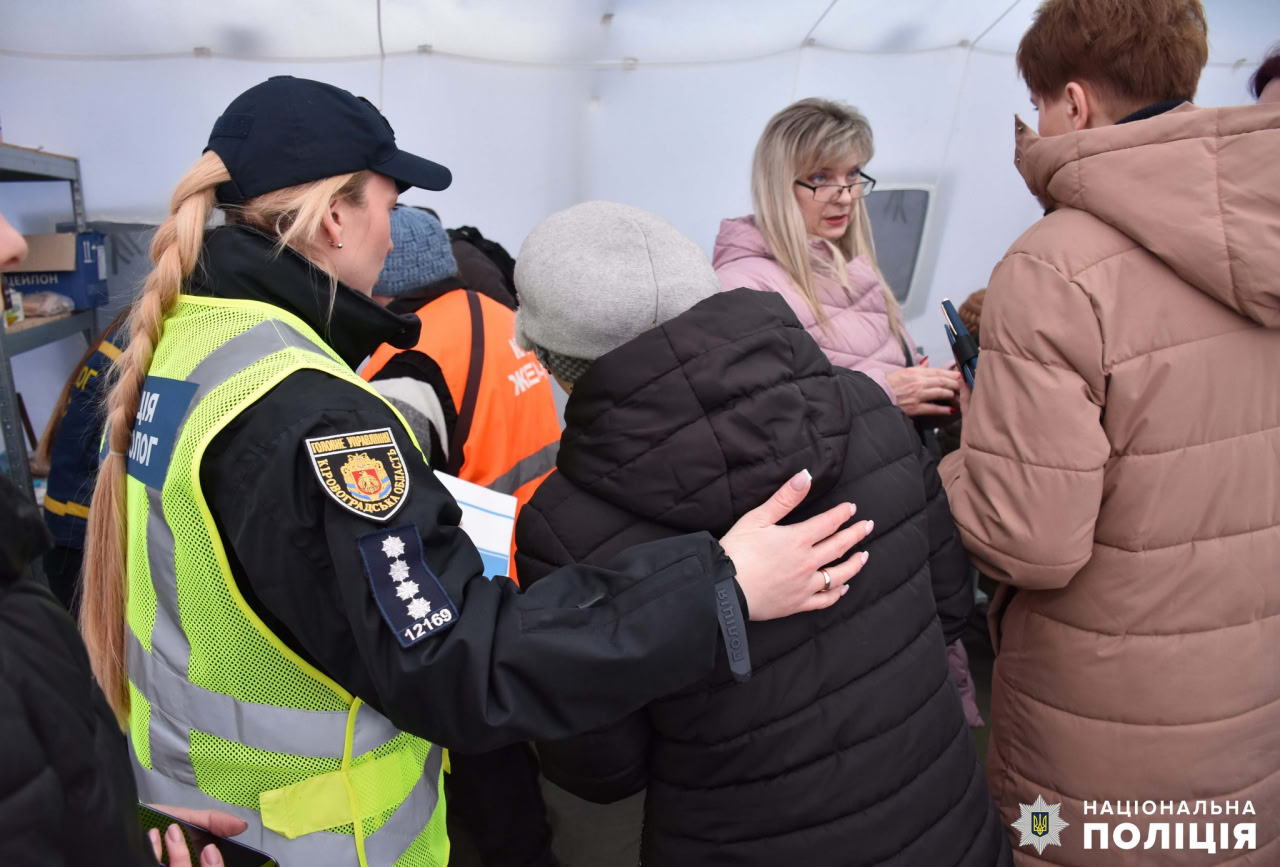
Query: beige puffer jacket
x=1120, y=472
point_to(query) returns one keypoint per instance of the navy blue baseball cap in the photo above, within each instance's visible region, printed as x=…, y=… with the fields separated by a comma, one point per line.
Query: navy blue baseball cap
x=289, y=131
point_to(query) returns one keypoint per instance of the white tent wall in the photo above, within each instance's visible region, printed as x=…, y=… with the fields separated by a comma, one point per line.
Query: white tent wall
x=535, y=133
x=678, y=139
x=511, y=134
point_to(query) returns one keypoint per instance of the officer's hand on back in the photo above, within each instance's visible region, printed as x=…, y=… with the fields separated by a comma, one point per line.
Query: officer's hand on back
x=780, y=568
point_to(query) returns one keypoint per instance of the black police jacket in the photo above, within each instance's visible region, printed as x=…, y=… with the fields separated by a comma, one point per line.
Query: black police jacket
x=586, y=647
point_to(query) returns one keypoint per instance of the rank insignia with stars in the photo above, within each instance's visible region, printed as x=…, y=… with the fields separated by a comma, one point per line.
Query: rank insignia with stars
x=409, y=595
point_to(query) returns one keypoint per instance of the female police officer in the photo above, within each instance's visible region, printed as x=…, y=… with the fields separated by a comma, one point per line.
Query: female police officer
x=278, y=599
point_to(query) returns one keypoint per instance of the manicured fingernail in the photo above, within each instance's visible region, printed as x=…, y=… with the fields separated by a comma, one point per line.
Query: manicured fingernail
x=866, y=555
x=844, y=589
x=173, y=834
x=211, y=857
x=801, y=480
x=871, y=525
x=853, y=509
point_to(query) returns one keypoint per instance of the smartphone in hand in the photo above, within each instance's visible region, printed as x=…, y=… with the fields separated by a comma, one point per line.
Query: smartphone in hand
x=963, y=346
x=233, y=854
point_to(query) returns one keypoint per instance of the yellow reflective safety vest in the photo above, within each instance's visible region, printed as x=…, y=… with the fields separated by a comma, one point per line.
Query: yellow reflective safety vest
x=223, y=714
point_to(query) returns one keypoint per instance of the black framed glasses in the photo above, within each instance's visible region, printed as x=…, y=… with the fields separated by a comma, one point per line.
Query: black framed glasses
x=826, y=193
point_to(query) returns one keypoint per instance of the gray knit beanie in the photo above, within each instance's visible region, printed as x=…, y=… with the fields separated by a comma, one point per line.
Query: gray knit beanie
x=421, y=254
x=597, y=275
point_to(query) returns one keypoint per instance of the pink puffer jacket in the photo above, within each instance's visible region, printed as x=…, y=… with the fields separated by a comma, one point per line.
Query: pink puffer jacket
x=857, y=334
x=1120, y=475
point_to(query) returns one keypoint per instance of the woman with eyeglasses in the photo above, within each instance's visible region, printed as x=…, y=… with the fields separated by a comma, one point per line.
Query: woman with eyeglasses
x=810, y=241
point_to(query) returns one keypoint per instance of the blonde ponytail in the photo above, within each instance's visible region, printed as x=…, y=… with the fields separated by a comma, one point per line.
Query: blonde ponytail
x=294, y=216
x=802, y=137
x=174, y=252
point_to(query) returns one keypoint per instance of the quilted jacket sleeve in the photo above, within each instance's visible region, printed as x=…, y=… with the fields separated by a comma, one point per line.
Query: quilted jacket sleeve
x=605, y=765
x=948, y=564
x=539, y=552
x=877, y=375
x=1026, y=485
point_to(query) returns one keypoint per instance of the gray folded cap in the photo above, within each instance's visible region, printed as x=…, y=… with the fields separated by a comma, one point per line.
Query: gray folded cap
x=595, y=276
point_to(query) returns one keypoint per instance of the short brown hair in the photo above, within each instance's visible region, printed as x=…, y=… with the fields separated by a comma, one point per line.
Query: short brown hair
x=1266, y=73
x=1134, y=52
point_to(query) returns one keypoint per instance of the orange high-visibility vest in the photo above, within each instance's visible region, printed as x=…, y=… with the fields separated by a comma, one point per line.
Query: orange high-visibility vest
x=508, y=430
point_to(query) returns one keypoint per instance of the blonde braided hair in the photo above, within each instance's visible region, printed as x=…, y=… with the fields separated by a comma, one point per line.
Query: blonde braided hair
x=294, y=216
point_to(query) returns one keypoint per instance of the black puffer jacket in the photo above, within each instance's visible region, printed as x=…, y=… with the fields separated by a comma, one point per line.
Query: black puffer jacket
x=848, y=745
x=66, y=789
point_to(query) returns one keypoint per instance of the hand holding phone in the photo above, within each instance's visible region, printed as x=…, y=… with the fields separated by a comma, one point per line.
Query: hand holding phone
x=178, y=855
x=190, y=839
x=963, y=346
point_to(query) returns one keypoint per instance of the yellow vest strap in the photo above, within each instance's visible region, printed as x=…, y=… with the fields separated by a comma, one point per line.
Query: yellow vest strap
x=322, y=802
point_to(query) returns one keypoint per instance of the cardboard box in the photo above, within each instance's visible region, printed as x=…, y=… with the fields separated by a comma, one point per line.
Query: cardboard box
x=71, y=265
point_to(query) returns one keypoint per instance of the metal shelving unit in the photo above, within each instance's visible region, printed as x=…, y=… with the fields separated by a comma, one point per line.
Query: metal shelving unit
x=25, y=164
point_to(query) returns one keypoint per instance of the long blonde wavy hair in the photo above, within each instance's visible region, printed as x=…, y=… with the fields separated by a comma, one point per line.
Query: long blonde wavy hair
x=801, y=138
x=294, y=216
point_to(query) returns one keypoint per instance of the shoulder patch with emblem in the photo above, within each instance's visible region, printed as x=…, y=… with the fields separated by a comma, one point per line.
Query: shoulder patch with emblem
x=363, y=471
x=411, y=598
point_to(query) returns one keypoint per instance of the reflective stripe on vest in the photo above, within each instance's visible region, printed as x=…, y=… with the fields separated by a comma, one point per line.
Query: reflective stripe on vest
x=323, y=849
x=291, y=821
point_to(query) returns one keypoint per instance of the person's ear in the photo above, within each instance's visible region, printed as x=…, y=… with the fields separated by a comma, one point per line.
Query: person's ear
x=1078, y=106
x=331, y=224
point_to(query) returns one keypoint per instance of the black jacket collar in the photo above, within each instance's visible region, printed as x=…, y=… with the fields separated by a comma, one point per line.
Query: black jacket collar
x=415, y=299
x=1156, y=108
x=241, y=263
